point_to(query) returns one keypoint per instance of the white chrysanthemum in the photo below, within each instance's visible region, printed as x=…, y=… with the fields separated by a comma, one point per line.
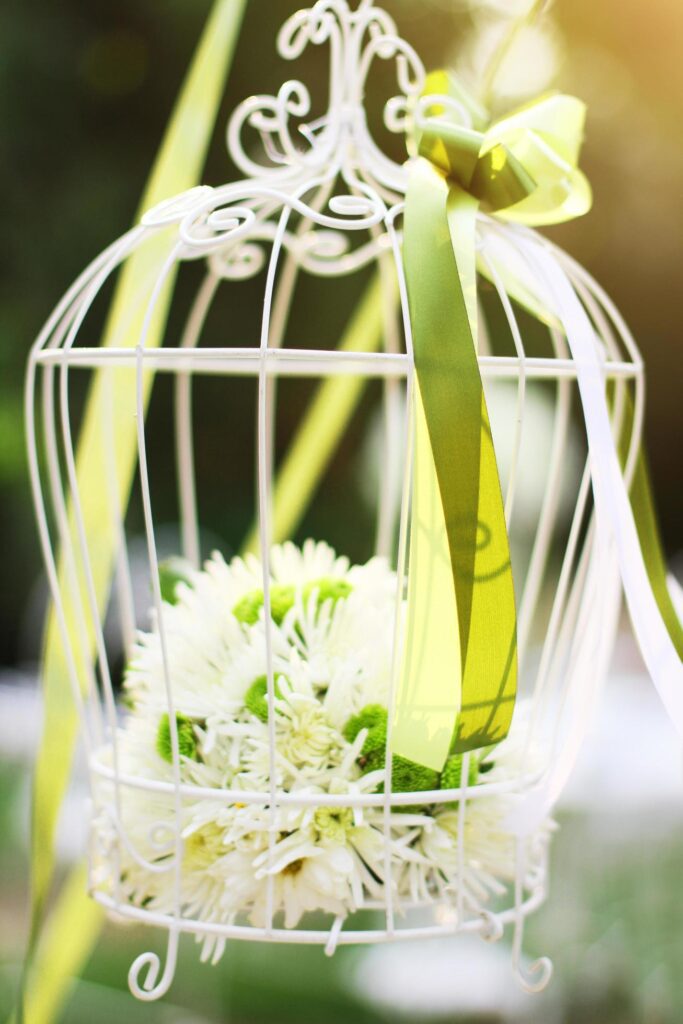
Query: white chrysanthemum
x=332, y=640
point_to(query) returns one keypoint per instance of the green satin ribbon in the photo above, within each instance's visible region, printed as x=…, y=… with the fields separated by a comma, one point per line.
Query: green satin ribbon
x=458, y=677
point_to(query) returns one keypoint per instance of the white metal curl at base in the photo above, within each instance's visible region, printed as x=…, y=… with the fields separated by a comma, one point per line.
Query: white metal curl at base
x=490, y=927
x=150, y=963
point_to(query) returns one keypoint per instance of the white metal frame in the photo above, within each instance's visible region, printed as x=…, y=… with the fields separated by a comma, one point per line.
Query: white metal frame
x=332, y=175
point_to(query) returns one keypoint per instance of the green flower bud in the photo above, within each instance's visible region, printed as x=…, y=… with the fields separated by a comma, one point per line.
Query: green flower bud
x=371, y=717
x=255, y=699
x=406, y=776
x=187, y=739
x=173, y=571
x=328, y=589
x=451, y=775
x=248, y=608
x=282, y=597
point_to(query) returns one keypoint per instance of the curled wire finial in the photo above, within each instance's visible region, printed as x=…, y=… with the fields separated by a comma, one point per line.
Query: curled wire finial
x=174, y=209
x=355, y=37
x=150, y=990
x=492, y=929
x=543, y=967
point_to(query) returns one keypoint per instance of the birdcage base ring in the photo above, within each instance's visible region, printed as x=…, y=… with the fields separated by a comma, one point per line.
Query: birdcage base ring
x=478, y=925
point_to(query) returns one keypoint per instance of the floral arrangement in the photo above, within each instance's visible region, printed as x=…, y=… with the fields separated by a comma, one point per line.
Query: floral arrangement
x=332, y=633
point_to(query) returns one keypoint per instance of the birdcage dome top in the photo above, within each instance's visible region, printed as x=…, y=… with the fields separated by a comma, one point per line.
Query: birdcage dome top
x=323, y=192
x=329, y=170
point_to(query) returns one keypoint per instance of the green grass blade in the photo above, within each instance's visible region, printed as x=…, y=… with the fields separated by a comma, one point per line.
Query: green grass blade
x=65, y=944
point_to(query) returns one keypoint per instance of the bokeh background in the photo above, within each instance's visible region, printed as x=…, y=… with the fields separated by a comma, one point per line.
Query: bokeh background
x=86, y=89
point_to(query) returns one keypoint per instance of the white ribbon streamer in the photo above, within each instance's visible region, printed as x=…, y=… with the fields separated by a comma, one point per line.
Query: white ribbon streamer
x=613, y=508
x=616, y=532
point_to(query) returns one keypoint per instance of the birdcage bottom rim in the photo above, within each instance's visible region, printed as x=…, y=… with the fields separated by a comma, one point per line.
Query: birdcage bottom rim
x=481, y=923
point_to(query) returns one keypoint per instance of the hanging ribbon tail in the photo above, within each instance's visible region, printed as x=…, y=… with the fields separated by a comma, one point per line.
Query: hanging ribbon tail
x=459, y=671
x=533, y=295
x=626, y=530
x=652, y=615
x=460, y=658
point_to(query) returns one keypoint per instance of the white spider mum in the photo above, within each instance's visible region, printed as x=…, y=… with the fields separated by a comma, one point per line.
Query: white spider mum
x=321, y=733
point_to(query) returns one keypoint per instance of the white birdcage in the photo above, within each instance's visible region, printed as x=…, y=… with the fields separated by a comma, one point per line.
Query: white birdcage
x=326, y=201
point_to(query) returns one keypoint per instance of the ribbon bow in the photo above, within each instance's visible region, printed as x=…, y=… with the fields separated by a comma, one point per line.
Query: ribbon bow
x=522, y=167
x=458, y=678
